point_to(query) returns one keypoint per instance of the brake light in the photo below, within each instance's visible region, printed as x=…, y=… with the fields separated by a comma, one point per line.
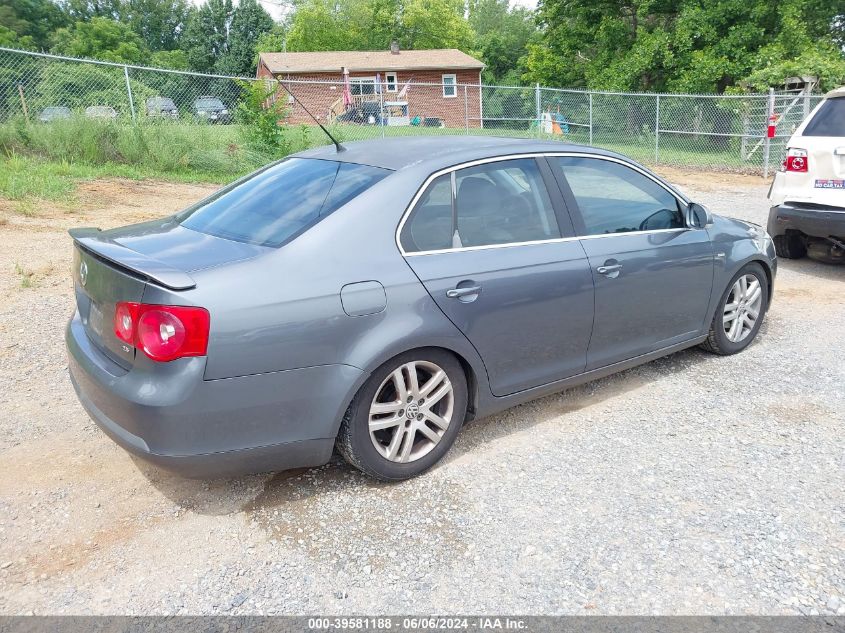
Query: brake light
x=796, y=160
x=163, y=333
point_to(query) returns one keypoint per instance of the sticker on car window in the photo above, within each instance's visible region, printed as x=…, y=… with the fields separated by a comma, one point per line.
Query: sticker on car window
x=830, y=184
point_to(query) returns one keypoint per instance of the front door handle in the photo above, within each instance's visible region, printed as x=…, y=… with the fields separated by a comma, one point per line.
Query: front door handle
x=609, y=270
x=457, y=293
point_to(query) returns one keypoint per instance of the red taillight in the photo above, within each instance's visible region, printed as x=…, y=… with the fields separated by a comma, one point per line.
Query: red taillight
x=163, y=333
x=796, y=160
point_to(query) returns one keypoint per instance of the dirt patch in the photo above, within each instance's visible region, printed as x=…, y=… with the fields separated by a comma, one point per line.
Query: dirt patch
x=37, y=249
x=709, y=181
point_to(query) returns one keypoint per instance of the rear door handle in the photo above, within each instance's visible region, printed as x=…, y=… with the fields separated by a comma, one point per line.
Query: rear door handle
x=609, y=269
x=457, y=293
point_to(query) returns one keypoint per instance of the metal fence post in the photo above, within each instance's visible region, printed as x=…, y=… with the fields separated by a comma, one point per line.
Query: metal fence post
x=129, y=92
x=770, y=110
x=466, y=110
x=591, y=118
x=381, y=108
x=537, y=104
x=657, y=129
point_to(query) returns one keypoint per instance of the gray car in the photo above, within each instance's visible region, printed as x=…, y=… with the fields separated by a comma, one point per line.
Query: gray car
x=376, y=298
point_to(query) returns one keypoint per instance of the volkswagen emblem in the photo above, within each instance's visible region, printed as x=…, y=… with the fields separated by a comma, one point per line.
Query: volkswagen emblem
x=83, y=272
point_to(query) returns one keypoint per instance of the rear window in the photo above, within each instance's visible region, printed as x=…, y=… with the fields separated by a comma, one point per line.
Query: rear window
x=829, y=120
x=277, y=203
x=208, y=102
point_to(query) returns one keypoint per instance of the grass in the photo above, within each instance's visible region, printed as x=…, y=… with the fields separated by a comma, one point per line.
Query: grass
x=26, y=276
x=46, y=161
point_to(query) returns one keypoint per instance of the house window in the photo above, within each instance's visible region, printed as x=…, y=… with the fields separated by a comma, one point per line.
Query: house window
x=390, y=82
x=362, y=86
x=450, y=88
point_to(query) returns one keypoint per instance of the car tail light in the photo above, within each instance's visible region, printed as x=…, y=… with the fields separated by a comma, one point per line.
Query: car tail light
x=796, y=160
x=163, y=333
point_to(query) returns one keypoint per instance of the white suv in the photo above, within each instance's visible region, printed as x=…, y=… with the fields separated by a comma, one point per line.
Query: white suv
x=808, y=193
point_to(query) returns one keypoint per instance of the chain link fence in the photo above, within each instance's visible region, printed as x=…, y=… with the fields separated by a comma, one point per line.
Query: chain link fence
x=719, y=132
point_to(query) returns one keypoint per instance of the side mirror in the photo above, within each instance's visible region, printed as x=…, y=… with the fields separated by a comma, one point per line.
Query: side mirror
x=698, y=216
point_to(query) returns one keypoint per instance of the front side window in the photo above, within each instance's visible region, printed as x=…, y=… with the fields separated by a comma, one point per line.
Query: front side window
x=829, y=120
x=278, y=202
x=613, y=198
x=504, y=202
x=450, y=88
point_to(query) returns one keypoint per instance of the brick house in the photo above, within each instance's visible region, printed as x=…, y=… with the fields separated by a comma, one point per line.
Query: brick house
x=377, y=80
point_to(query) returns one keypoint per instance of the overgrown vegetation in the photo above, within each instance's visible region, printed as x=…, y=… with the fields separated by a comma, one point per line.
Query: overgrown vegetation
x=196, y=151
x=46, y=161
x=260, y=113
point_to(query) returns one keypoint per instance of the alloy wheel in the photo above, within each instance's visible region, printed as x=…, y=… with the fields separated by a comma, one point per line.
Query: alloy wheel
x=742, y=308
x=411, y=411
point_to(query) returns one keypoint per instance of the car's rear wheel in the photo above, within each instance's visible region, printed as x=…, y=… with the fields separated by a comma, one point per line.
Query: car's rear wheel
x=740, y=312
x=406, y=416
x=790, y=245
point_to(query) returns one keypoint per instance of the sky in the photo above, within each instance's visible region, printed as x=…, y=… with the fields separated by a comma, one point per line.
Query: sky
x=277, y=8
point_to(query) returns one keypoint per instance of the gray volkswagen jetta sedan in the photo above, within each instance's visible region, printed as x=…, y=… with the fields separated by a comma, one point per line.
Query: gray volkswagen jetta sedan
x=374, y=299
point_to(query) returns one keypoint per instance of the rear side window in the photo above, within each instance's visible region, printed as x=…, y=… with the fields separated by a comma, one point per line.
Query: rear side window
x=613, y=198
x=502, y=202
x=277, y=203
x=829, y=120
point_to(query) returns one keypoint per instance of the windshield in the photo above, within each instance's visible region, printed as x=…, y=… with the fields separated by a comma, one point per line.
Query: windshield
x=829, y=120
x=277, y=203
x=210, y=102
x=161, y=102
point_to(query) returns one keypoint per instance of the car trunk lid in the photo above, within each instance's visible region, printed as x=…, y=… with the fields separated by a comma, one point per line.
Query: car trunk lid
x=98, y=285
x=117, y=265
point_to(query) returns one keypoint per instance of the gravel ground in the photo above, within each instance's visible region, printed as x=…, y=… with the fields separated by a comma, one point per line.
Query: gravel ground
x=691, y=485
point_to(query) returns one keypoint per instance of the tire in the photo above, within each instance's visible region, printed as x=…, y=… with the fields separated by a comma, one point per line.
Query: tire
x=790, y=246
x=720, y=341
x=381, y=454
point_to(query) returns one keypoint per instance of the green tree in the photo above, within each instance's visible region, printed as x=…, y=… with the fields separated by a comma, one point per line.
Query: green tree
x=100, y=38
x=206, y=34
x=325, y=25
x=160, y=23
x=677, y=45
x=502, y=37
x=249, y=22
x=272, y=41
x=435, y=24
x=10, y=39
x=86, y=9
x=175, y=60
x=29, y=23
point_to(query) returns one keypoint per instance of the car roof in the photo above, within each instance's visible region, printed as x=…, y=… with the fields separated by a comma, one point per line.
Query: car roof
x=440, y=151
x=836, y=93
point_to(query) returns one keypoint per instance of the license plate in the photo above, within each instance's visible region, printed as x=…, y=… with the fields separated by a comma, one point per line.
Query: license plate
x=830, y=184
x=95, y=319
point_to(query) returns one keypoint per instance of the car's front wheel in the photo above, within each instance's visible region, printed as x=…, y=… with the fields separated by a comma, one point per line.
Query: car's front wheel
x=740, y=312
x=406, y=416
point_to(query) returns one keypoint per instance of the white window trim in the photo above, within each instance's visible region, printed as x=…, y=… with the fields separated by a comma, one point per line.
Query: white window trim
x=387, y=77
x=454, y=85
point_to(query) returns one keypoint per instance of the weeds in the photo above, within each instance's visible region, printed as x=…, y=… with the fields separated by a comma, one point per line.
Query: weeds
x=27, y=276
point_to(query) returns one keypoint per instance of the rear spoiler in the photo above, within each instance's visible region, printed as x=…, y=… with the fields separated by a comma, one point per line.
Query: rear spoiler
x=93, y=241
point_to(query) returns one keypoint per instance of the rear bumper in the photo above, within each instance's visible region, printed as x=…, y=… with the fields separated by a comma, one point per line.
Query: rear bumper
x=812, y=222
x=167, y=414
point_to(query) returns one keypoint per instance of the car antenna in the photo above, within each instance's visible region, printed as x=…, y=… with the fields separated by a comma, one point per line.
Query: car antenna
x=338, y=146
